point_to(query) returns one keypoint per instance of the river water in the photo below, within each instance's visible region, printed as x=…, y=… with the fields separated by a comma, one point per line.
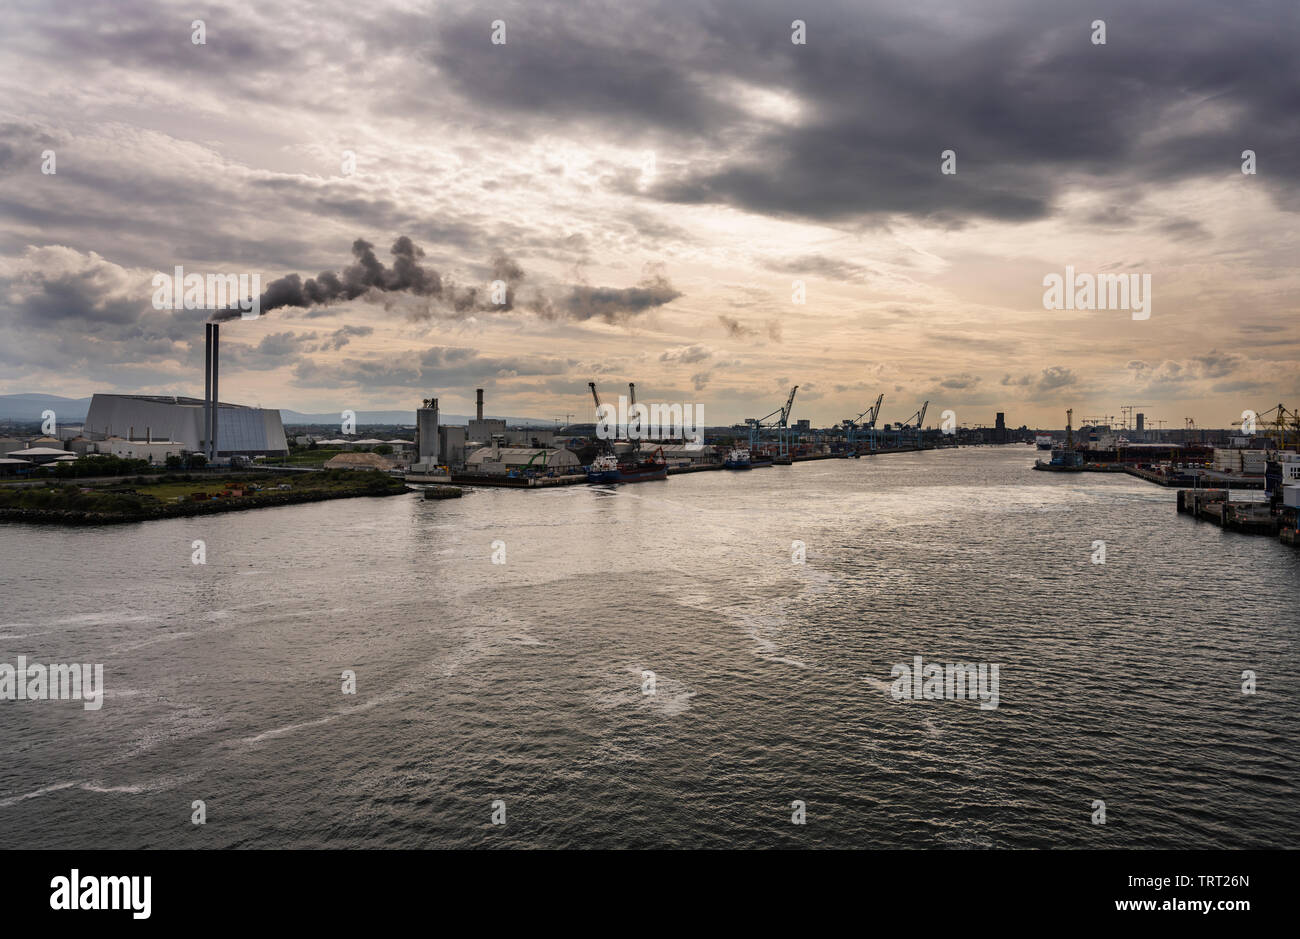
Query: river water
x=523, y=683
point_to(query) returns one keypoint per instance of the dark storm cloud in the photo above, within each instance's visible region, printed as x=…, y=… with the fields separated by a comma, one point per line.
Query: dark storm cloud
x=1023, y=97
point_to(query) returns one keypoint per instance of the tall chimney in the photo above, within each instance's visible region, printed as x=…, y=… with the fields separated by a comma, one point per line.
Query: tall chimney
x=216, y=400
x=207, y=386
x=479, y=392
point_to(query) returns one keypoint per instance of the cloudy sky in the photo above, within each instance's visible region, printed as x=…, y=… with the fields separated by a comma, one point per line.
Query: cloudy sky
x=650, y=180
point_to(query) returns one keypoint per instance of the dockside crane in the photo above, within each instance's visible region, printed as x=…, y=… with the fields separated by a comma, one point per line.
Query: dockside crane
x=780, y=425
x=631, y=409
x=606, y=445
x=920, y=425
x=1279, y=423
x=852, y=425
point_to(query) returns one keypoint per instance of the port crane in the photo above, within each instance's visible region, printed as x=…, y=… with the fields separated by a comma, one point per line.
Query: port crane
x=920, y=425
x=606, y=445
x=631, y=409
x=854, y=424
x=780, y=425
x=1279, y=423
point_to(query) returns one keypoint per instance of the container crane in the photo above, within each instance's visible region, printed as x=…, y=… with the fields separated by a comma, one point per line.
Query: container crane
x=852, y=425
x=781, y=425
x=920, y=425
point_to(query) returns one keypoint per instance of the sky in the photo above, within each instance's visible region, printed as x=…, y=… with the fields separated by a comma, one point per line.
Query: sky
x=675, y=194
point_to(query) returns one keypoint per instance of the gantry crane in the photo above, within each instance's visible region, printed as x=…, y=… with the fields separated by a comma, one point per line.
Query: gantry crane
x=854, y=424
x=920, y=425
x=780, y=425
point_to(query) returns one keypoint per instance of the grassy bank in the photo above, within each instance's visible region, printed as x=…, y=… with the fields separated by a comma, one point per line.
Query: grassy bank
x=140, y=500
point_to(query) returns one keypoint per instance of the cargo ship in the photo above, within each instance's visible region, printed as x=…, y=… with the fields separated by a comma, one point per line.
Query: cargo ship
x=737, y=459
x=635, y=468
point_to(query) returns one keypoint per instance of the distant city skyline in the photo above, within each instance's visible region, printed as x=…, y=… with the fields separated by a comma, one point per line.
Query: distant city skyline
x=655, y=185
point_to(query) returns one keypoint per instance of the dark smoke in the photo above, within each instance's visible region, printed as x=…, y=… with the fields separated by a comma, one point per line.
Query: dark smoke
x=366, y=274
x=448, y=300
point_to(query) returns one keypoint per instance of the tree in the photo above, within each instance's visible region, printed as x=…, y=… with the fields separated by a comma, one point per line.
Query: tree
x=383, y=448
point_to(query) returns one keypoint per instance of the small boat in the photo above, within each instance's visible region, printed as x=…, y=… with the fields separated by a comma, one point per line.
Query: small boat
x=737, y=459
x=1043, y=441
x=783, y=460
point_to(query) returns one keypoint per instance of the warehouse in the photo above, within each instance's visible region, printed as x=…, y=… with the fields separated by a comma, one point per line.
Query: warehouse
x=505, y=459
x=241, y=430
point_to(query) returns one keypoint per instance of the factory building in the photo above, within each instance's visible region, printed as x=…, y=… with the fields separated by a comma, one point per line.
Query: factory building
x=155, y=451
x=480, y=430
x=501, y=460
x=451, y=445
x=245, y=431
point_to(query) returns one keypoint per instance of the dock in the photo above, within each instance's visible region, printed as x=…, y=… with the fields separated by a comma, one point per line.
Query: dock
x=1214, y=505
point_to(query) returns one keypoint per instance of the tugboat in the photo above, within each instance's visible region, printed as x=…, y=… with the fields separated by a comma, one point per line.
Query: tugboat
x=737, y=459
x=604, y=469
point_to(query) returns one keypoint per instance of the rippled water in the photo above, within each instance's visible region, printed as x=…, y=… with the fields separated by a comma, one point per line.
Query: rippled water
x=523, y=681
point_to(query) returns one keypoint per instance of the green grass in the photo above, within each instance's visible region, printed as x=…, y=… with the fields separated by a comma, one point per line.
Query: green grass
x=306, y=457
x=133, y=496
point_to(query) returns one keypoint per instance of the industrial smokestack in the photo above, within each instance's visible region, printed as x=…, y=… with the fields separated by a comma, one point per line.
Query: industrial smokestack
x=207, y=386
x=216, y=399
x=479, y=392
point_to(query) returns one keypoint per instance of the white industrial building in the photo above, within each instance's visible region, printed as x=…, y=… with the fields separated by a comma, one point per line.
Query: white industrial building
x=241, y=430
x=152, y=449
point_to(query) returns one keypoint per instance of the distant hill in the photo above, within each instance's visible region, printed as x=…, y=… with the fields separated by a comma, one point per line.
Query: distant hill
x=28, y=407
